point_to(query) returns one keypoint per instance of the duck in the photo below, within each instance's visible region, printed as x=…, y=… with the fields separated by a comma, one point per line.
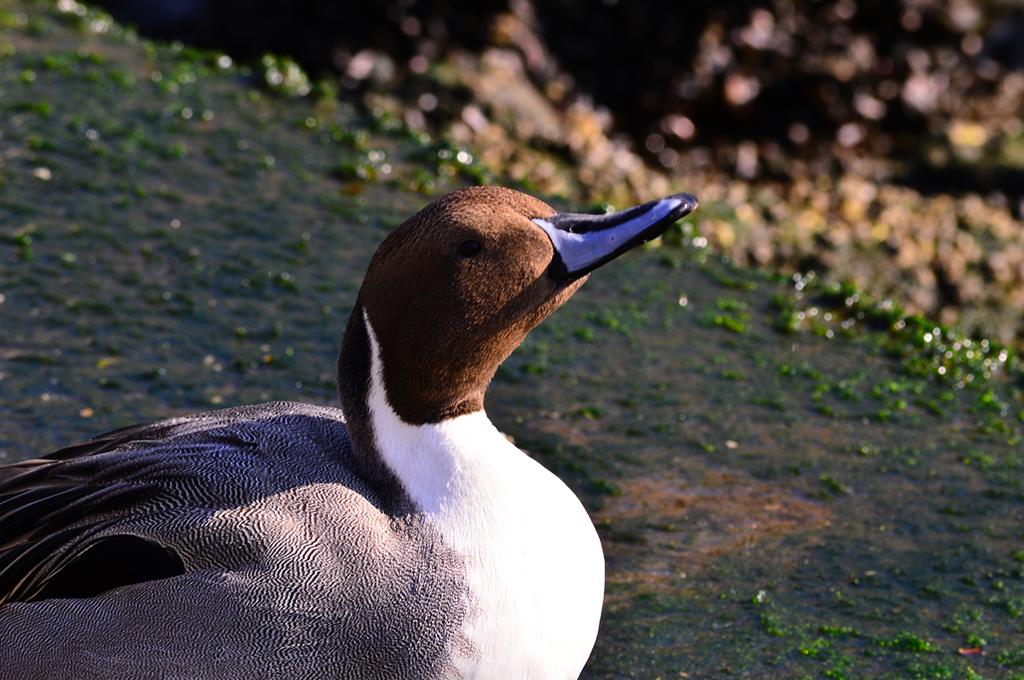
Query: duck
x=400, y=535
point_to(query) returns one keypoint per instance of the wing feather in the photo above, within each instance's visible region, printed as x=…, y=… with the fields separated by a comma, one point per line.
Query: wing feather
x=51, y=507
x=72, y=516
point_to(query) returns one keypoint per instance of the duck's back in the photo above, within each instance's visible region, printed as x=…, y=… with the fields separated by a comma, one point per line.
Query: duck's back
x=271, y=558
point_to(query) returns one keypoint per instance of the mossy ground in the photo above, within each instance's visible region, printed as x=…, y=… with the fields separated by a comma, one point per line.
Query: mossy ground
x=789, y=482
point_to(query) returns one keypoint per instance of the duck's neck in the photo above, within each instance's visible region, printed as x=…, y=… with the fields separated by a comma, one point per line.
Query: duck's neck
x=354, y=385
x=432, y=465
x=461, y=472
x=399, y=459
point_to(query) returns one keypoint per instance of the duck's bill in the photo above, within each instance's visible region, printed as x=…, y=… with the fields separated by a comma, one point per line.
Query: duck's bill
x=585, y=242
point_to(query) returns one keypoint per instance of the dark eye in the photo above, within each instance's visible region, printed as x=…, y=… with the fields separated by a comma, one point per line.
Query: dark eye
x=469, y=248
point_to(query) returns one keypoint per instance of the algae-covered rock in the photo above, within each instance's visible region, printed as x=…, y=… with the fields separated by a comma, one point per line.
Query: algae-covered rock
x=789, y=480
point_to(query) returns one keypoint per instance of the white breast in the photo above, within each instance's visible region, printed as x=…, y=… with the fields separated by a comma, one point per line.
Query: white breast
x=536, y=569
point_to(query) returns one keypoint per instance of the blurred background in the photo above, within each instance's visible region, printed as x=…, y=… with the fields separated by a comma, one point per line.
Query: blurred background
x=878, y=142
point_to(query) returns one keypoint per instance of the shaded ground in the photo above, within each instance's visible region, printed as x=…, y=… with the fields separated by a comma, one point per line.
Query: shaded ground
x=789, y=482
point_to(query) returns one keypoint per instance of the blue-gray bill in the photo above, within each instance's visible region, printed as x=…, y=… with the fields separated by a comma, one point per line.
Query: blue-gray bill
x=585, y=242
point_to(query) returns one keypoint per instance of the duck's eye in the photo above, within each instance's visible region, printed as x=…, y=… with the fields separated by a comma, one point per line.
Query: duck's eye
x=469, y=248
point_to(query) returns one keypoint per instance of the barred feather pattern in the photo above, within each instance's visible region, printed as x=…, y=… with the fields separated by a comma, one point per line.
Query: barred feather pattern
x=296, y=569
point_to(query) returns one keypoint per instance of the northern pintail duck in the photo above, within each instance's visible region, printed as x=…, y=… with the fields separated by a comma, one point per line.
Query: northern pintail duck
x=401, y=536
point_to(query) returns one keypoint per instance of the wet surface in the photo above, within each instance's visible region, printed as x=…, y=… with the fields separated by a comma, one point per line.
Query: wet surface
x=774, y=504
x=776, y=499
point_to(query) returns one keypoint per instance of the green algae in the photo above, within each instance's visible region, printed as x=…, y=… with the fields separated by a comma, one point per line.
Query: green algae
x=788, y=493
x=694, y=400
